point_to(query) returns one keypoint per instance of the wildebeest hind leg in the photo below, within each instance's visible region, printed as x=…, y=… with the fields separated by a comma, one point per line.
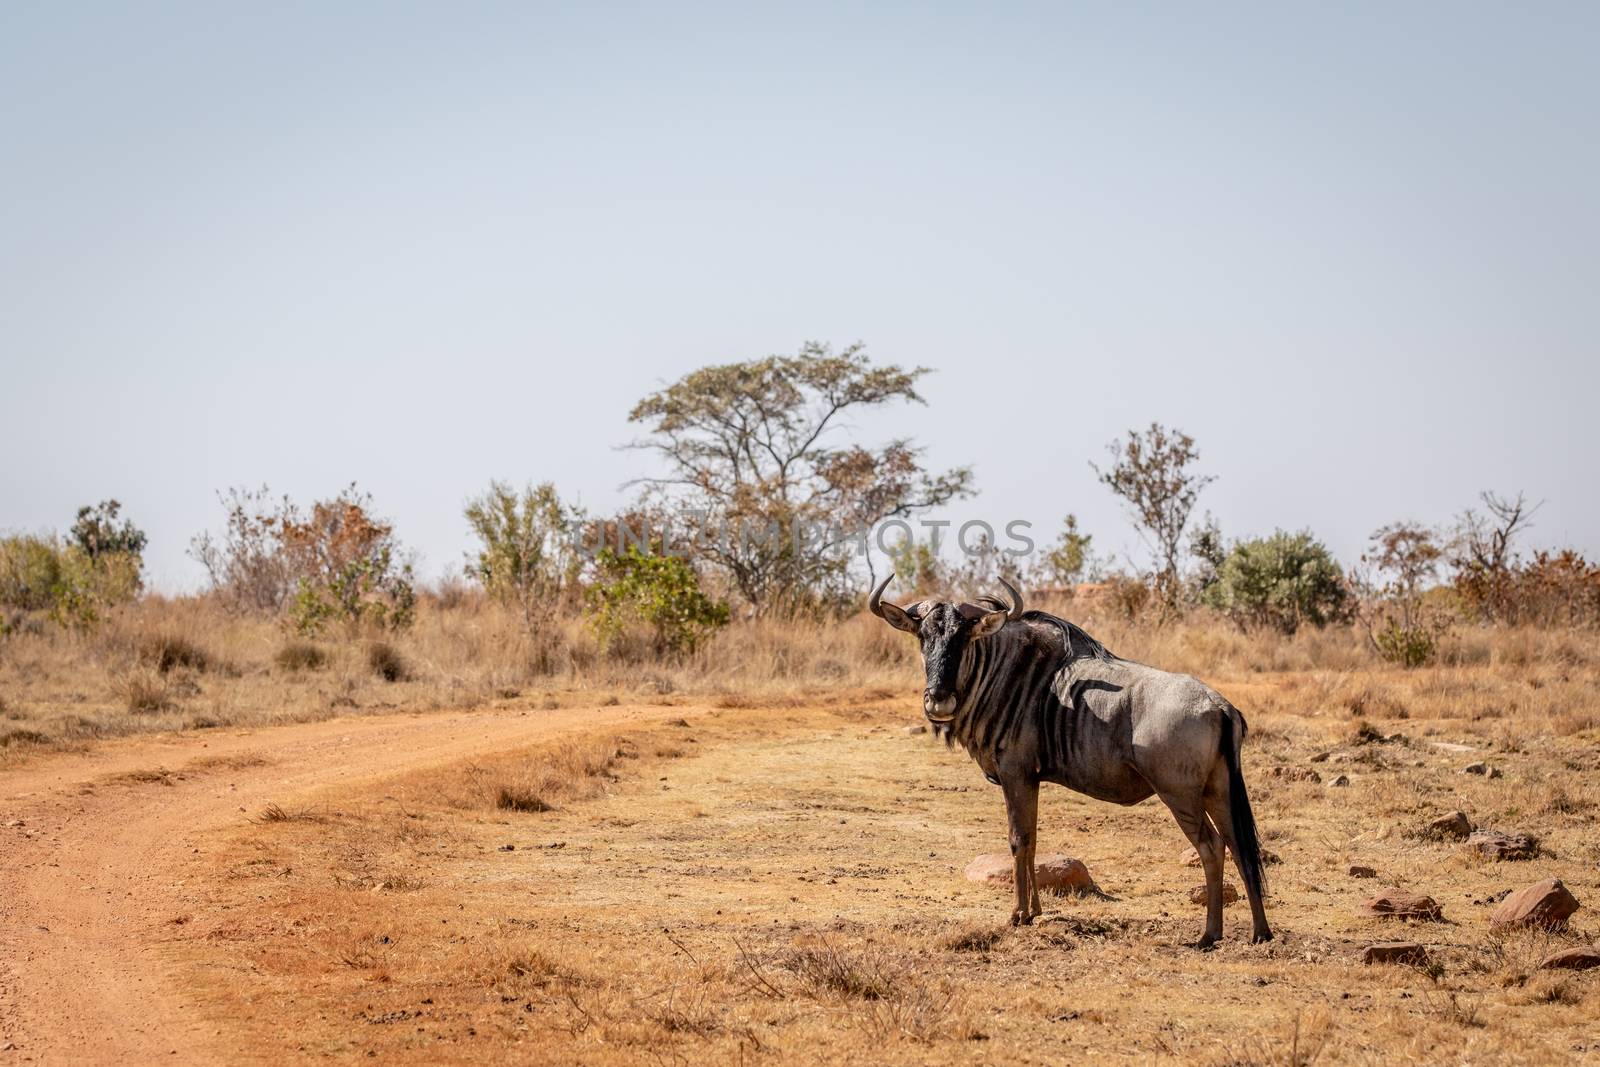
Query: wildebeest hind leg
x=1222, y=818
x=1190, y=814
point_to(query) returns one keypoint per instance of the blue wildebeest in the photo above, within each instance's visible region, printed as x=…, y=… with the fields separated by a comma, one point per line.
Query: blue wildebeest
x=1034, y=699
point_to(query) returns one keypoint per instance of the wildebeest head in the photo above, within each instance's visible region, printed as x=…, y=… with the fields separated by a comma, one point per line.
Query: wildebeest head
x=945, y=631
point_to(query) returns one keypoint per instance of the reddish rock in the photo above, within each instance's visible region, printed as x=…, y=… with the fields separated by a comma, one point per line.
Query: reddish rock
x=1456, y=825
x=1571, y=959
x=1407, y=952
x=1054, y=873
x=1358, y=871
x=1230, y=893
x=1546, y=904
x=1392, y=903
x=1499, y=846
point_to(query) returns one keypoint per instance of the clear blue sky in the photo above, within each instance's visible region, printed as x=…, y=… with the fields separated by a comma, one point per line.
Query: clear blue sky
x=1354, y=250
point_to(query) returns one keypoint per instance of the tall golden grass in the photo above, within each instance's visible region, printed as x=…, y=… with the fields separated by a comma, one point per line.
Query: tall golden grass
x=183, y=663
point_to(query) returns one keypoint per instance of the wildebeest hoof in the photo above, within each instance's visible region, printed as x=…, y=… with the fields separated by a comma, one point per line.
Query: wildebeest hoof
x=1259, y=936
x=1021, y=918
x=1205, y=944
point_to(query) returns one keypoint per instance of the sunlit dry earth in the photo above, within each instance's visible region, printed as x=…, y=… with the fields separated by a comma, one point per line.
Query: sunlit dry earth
x=785, y=885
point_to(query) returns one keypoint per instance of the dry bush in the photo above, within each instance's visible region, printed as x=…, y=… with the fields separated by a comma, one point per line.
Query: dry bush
x=974, y=939
x=164, y=651
x=385, y=661
x=512, y=799
x=277, y=813
x=143, y=690
x=23, y=737
x=299, y=655
x=823, y=972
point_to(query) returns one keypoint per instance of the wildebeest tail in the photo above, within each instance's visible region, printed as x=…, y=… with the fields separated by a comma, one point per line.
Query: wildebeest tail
x=1247, y=846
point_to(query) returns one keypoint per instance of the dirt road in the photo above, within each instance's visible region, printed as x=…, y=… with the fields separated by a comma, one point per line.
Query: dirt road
x=96, y=863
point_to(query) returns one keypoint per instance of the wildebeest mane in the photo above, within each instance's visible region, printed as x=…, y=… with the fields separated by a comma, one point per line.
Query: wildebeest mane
x=1079, y=643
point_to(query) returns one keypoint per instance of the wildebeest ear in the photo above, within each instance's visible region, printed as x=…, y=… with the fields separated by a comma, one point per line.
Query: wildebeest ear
x=989, y=624
x=900, y=618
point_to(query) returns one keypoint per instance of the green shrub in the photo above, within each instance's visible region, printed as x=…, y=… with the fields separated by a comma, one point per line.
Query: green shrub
x=527, y=560
x=660, y=591
x=348, y=566
x=1279, y=582
x=98, y=533
x=1408, y=646
x=41, y=574
x=372, y=590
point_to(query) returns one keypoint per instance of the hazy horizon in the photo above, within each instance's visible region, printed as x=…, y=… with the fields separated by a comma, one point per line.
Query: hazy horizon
x=1353, y=252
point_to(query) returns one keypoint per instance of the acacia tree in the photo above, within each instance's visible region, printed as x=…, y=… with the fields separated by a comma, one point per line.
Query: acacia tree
x=1151, y=472
x=750, y=450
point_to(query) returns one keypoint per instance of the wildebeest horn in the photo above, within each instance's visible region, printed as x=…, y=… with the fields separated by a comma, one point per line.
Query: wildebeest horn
x=875, y=598
x=891, y=613
x=1016, y=600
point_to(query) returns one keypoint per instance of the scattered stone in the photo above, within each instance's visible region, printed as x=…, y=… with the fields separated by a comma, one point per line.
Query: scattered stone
x=1481, y=768
x=1397, y=739
x=1358, y=871
x=917, y=729
x=1296, y=774
x=1321, y=757
x=1499, y=846
x=1392, y=903
x=1571, y=959
x=1190, y=858
x=1494, y=772
x=1230, y=894
x=1456, y=825
x=1343, y=779
x=1452, y=746
x=1546, y=905
x=1269, y=857
x=1054, y=872
x=1406, y=952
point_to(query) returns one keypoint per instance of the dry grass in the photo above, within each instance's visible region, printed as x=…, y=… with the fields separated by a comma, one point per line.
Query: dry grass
x=175, y=664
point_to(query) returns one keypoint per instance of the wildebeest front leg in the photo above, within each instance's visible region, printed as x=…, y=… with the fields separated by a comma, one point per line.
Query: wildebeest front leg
x=1022, y=812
